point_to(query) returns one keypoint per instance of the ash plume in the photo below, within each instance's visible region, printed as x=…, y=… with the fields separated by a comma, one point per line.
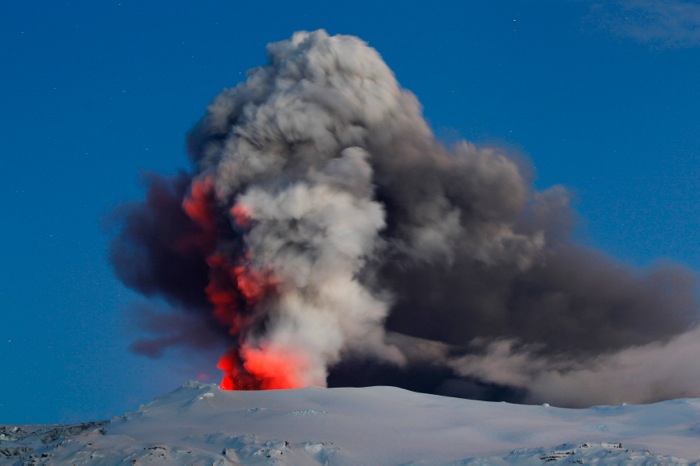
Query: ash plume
x=323, y=235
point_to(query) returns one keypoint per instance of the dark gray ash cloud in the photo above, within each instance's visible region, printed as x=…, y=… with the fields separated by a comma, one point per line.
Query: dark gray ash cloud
x=396, y=260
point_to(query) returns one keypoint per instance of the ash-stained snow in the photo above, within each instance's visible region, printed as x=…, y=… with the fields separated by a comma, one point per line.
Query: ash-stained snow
x=200, y=424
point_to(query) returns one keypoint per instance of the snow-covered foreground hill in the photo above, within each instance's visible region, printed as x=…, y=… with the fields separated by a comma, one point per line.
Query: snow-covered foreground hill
x=200, y=424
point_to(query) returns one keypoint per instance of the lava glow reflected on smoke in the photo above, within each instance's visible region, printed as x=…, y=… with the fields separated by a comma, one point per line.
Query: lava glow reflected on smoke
x=261, y=369
x=237, y=291
x=198, y=205
x=275, y=368
x=241, y=215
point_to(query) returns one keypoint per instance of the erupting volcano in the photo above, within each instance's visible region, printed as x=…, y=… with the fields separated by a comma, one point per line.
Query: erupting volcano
x=324, y=236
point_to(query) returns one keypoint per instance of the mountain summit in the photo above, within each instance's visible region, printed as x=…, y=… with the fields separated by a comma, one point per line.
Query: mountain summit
x=201, y=424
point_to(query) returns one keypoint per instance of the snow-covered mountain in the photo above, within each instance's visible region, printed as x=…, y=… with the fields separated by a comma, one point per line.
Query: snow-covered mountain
x=200, y=424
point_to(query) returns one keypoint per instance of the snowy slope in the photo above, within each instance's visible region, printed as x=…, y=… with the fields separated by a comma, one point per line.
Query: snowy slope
x=200, y=424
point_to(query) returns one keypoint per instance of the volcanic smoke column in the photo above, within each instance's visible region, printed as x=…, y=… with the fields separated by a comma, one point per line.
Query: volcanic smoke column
x=305, y=244
x=322, y=220
x=281, y=210
x=279, y=156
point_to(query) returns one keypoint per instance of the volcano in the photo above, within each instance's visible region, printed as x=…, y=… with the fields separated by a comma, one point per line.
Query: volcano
x=202, y=424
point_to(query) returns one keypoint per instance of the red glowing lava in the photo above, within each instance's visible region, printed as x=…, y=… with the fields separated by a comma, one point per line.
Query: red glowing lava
x=236, y=290
x=261, y=369
x=274, y=368
x=235, y=376
x=253, y=287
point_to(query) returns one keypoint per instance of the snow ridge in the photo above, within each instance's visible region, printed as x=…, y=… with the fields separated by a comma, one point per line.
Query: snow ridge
x=200, y=424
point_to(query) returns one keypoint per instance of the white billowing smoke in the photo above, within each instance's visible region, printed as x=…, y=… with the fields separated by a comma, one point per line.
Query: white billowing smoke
x=315, y=234
x=323, y=219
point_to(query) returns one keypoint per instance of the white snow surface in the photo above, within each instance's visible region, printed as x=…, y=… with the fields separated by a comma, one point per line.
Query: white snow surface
x=200, y=424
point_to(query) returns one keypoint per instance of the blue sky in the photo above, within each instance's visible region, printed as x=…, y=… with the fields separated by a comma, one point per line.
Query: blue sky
x=602, y=97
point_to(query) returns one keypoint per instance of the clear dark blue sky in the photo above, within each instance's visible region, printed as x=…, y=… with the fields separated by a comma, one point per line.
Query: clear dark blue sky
x=603, y=98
